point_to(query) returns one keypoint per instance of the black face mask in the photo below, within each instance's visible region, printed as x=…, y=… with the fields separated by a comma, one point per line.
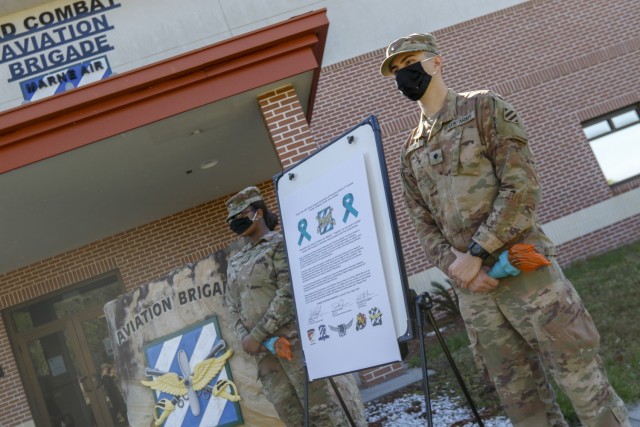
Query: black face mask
x=413, y=81
x=240, y=225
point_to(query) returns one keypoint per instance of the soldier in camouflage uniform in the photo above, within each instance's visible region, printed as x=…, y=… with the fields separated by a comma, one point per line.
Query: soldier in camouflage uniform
x=471, y=189
x=260, y=304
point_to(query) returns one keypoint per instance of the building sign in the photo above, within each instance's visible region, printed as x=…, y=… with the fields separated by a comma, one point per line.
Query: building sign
x=192, y=379
x=71, y=77
x=337, y=273
x=175, y=353
x=56, y=50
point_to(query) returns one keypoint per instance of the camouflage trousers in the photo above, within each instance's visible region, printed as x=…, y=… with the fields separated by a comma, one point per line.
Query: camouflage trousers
x=532, y=323
x=283, y=384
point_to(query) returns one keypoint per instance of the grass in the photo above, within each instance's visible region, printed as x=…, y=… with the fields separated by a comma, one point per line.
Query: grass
x=609, y=285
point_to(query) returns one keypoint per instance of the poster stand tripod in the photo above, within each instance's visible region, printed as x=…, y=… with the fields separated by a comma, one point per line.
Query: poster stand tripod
x=423, y=304
x=335, y=389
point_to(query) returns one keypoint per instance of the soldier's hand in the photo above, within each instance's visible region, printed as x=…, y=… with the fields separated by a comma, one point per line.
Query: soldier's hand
x=464, y=268
x=483, y=282
x=251, y=346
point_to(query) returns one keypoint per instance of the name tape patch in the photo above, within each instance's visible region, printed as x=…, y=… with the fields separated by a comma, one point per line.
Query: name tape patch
x=461, y=120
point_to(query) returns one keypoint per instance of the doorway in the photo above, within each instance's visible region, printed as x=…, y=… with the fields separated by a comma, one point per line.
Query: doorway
x=65, y=357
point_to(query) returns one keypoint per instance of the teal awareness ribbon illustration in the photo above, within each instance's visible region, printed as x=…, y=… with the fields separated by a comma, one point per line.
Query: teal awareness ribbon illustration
x=302, y=228
x=347, y=202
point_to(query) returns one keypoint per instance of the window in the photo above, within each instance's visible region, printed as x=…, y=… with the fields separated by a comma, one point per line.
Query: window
x=615, y=141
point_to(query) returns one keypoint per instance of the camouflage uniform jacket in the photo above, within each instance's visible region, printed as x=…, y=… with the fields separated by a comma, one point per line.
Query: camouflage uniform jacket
x=471, y=175
x=259, y=296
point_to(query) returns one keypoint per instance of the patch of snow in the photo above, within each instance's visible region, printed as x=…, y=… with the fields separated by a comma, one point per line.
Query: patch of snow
x=409, y=410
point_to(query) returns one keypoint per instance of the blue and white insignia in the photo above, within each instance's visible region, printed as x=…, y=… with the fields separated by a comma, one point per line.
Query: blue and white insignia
x=461, y=120
x=375, y=316
x=325, y=220
x=192, y=379
x=70, y=77
x=322, y=329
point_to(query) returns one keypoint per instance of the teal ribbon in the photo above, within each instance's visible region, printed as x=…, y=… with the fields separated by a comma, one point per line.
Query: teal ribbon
x=302, y=228
x=347, y=202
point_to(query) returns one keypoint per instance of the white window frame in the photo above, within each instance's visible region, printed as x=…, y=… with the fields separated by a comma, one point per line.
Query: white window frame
x=597, y=129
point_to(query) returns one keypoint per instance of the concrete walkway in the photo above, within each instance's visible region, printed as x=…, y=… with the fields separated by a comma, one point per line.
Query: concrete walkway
x=414, y=375
x=634, y=416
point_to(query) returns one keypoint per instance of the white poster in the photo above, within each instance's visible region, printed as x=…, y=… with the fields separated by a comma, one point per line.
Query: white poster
x=336, y=269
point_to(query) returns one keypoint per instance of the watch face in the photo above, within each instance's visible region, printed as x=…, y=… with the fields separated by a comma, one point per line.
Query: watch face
x=474, y=249
x=477, y=250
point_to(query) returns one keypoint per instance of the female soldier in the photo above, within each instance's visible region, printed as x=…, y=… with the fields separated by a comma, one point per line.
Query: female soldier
x=260, y=304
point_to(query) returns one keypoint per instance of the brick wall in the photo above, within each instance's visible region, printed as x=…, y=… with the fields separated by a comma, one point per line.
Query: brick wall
x=287, y=125
x=600, y=241
x=141, y=255
x=557, y=61
x=377, y=375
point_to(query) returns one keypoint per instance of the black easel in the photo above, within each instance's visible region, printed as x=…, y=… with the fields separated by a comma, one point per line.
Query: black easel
x=335, y=389
x=423, y=304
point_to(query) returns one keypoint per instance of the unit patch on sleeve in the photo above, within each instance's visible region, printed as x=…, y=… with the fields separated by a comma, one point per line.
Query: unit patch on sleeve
x=511, y=116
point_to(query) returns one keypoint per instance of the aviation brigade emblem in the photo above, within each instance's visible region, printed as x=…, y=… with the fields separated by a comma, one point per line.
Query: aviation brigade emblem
x=192, y=380
x=325, y=220
x=341, y=329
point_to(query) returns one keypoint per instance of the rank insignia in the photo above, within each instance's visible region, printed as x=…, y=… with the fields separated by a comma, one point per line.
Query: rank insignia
x=511, y=116
x=435, y=157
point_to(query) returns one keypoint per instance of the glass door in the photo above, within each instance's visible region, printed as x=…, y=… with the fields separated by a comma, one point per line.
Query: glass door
x=69, y=390
x=97, y=342
x=65, y=356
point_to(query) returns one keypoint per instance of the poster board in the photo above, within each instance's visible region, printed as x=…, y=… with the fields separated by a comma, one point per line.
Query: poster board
x=344, y=254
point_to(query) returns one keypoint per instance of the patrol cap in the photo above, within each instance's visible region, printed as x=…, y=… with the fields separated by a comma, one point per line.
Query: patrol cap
x=242, y=200
x=416, y=42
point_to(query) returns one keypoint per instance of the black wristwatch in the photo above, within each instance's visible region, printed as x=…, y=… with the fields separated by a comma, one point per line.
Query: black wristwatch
x=476, y=250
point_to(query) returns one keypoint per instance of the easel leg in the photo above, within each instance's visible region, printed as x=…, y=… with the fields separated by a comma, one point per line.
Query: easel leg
x=306, y=396
x=454, y=368
x=423, y=358
x=335, y=389
x=344, y=406
x=424, y=303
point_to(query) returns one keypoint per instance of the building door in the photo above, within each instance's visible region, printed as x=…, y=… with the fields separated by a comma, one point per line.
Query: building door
x=65, y=358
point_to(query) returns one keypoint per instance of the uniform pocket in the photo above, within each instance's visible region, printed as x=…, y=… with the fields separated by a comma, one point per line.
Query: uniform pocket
x=474, y=346
x=423, y=172
x=569, y=336
x=467, y=156
x=257, y=270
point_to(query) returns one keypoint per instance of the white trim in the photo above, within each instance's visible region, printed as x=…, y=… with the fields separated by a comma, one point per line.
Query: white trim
x=560, y=231
x=594, y=217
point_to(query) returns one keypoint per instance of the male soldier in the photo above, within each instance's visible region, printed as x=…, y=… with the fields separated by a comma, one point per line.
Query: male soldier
x=471, y=189
x=260, y=304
